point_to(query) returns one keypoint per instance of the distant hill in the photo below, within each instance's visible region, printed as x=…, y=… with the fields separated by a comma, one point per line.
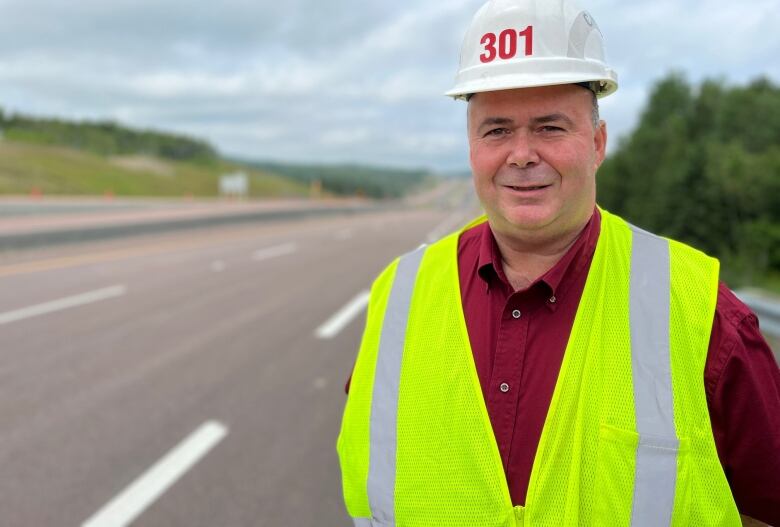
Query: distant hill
x=55, y=156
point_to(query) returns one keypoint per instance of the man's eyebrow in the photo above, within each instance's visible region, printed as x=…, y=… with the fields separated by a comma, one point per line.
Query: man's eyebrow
x=492, y=121
x=552, y=118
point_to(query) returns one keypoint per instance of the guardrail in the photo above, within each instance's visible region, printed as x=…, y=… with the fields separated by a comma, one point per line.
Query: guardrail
x=767, y=310
x=62, y=236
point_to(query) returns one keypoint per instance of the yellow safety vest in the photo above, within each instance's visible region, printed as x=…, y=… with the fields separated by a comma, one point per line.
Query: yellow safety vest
x=627, y=439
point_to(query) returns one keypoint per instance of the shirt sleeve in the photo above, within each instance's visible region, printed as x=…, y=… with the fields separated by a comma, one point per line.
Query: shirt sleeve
x=742, y=383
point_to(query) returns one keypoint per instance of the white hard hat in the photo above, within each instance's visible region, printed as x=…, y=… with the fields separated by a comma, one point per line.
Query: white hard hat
x=525, y=43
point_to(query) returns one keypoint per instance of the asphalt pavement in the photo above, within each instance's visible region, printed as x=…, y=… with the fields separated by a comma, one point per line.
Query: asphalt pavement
x=192, y=378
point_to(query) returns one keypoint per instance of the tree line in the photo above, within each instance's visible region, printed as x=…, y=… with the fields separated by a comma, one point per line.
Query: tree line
x=105, y=138
x=373, y=182
x=703, y=166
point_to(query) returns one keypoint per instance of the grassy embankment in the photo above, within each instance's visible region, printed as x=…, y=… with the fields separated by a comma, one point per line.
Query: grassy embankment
x=54, y=156
x=27, y=168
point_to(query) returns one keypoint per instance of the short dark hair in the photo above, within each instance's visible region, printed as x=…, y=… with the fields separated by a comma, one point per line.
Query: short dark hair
x=591, y=87
x=595, y=109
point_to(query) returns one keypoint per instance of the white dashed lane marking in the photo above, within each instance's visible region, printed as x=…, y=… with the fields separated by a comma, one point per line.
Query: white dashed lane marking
x=274, y=251
x=343, y=234
x=343, y=317
x=63, y=303
x=145, y=490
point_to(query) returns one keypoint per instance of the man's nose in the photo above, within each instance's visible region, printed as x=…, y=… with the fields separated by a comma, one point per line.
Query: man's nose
x=523, y=153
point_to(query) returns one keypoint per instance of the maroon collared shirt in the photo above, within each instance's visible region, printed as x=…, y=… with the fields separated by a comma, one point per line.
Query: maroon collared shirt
x=518, y=339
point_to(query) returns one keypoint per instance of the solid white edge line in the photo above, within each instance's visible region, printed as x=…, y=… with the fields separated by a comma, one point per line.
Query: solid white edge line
x=145, y=490
x=274, y=251
x=63, y=303
x=344, y=316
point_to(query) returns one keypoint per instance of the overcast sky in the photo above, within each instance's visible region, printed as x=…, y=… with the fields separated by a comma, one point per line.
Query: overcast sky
x=336, y=80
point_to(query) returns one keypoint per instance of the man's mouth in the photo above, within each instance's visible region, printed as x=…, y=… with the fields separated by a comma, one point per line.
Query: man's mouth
x=527, y=188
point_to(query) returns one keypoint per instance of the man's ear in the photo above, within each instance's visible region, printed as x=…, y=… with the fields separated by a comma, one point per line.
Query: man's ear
x=600, y=142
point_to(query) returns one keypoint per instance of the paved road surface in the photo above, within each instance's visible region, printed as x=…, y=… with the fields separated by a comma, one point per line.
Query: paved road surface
x=181, y=380
x=178, y=379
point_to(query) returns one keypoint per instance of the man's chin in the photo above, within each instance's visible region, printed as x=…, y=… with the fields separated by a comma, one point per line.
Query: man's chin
x=529, y=218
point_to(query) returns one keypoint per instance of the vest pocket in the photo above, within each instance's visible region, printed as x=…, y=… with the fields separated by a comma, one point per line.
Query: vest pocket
x=628, y=468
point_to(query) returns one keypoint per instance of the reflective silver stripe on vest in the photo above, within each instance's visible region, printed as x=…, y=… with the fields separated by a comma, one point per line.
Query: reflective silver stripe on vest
x=656, y=454
x=368, y=522
x=384, y=402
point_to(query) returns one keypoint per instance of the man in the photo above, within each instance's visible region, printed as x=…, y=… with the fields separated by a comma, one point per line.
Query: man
x=543, y=366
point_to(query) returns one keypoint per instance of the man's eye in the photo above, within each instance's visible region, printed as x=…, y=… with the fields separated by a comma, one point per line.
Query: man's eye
x=497, y=132
x=550, y=128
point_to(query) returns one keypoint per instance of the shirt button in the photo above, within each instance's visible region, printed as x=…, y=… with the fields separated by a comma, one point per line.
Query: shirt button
x=516, y=313
x=504, y=387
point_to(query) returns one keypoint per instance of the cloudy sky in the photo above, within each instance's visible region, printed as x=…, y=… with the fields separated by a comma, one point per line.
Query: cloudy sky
x=332, y=81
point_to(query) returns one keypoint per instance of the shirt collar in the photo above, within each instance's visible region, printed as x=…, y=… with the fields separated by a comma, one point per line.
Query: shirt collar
x=576, y=260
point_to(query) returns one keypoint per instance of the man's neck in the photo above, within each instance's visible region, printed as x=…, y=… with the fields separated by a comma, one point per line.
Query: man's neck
x=524, y=262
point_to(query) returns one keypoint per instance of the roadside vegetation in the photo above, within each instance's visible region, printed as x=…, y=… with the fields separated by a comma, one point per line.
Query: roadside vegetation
x=53, y=156
x=105, y=138
x=703, y=166
x=36, y=169
x=373, y=182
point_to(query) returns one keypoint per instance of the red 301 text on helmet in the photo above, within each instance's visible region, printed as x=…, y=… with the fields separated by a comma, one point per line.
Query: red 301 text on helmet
x=507, y=44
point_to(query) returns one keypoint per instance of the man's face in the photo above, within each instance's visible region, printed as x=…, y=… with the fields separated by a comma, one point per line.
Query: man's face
x=534, y=154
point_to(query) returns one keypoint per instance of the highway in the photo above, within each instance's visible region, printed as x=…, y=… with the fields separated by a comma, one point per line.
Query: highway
x=190, y=378
x=193, y=378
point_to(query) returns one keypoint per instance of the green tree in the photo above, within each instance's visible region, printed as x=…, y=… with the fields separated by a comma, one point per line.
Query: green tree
x=703, y=166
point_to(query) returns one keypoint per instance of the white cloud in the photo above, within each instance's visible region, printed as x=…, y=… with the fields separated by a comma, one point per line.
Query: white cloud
x=333, y=81
x=346, y=137
x=175, y=84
